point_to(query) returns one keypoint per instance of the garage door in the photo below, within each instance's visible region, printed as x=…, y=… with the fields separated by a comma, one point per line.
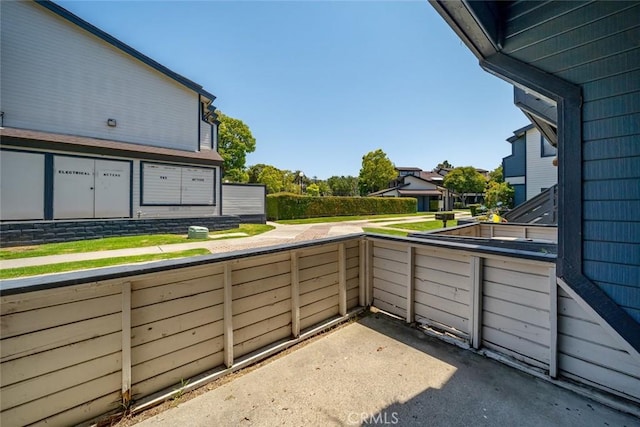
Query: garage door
x=90, y=188
x=21, y=185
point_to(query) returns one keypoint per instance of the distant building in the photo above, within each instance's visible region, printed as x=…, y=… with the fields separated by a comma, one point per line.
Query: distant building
x=529, y=169
x=426, y=187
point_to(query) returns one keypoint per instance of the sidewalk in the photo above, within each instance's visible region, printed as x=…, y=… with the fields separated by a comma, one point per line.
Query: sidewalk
x=281, y=234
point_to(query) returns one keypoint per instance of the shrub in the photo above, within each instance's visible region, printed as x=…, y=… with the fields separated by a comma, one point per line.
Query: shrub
x=434, y=205
x=458, y=205
x=292, y=206
x=474, y=208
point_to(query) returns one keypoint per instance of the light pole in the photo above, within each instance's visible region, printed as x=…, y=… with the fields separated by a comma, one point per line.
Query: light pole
x=301, y=175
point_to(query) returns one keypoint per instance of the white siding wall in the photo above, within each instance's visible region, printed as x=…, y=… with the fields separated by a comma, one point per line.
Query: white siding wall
x=418, y=184
x=540, y=170
x=56, y=77
x=205, y=135
x=243, y=199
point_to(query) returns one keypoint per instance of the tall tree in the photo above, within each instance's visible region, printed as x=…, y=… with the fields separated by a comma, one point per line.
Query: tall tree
x=465, y=179
x=444, y=165
x=376, y=172
x=234, y=142
x=272, y=178
x=343, y=185
x=499, y=192
x=496, y=175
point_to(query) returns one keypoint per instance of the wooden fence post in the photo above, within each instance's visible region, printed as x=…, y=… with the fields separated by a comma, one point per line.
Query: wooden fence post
x=553, y=322
x=410, y=283
x=476, y=302
x=342, y=279
x=126, y=343
x=228, y=316
x=362, y=273
x=295, y=295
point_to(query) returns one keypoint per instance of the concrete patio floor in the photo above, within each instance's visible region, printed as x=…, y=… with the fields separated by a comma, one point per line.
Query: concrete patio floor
x=378, y=371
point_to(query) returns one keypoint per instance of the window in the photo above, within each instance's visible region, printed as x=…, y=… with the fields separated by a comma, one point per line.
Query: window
x=547, y=150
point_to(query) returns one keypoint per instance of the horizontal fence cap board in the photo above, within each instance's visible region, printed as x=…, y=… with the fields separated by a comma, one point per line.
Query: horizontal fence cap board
x=600, y=376
x=453, y=280
x=60, y=358
x=246, y=289
x=165, y=310
x=25, y=345
x=429, y=288
x=257, y=315
x=534, y=299
x=180, y=275
x=36, y=388
x=530, y=315
x=173, y=360
x=171, y=343
x=263, y=327
x=47, y=317
x=261, y=341
x=242, y=305
x=516, y=328
x=51, y=297
x=174, y=378
x=321, y=316
x=61, y=401
x=173, y=325
x=171, y=291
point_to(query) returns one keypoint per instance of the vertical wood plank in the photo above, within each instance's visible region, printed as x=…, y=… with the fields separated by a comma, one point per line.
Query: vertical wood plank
x=342, y=279
x=369, y=273
x=295, y=295
x=553, y=322
x=410, y=283
x=228, y=319
x=126, y=343
x=476, y=301
x=362, y=273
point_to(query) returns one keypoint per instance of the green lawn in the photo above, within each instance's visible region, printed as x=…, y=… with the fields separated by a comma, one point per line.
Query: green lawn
x=347, y=218
x=10, y=273
x=385, y=231
x=423, y=226
x=125, y=242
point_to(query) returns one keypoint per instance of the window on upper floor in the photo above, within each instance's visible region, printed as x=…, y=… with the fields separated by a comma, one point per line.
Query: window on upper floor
x=547, y=150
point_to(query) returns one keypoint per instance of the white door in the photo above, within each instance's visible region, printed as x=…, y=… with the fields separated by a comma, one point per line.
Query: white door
x=161, y=184
x=197, y=186
x=73, y=187
x=112, y=189
x=21, y=185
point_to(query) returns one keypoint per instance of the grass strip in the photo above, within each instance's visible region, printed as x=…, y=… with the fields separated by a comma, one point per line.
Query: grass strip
x=423, y=226
x=123, y=242
x=11, y=273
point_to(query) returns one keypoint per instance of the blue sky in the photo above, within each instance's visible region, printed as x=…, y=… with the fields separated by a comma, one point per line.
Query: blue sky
x=322, y=83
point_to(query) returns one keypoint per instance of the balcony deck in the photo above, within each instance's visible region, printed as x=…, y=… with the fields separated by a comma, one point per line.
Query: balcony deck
x=380, y=371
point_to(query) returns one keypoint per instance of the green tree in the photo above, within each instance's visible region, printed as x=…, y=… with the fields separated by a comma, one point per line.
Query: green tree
x=236, y=175
x=465, y=179
x=234, y=142
x=272, y=178
x=499, y=192
x=254, y=172
x=313, y=190
x=444, y=165
x=496, y=175
x=343, y=185
x=376, y=172
x=324, y=188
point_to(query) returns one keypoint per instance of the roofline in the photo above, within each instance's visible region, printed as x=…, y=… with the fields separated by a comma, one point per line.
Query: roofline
x=519, y=132
x=64, y=13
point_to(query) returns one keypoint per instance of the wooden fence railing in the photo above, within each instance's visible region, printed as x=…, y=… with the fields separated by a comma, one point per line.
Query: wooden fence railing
x=79, y=345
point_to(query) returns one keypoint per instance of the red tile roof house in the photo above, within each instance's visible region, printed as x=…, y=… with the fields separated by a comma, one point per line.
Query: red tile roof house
x=80, y=345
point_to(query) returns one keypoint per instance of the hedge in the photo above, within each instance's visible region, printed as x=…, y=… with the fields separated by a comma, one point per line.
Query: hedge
x=292, y=206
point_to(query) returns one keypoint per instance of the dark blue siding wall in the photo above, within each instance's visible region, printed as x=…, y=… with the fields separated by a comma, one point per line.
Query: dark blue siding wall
x=515, y=164
x=520, y=194
x=567, y=39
